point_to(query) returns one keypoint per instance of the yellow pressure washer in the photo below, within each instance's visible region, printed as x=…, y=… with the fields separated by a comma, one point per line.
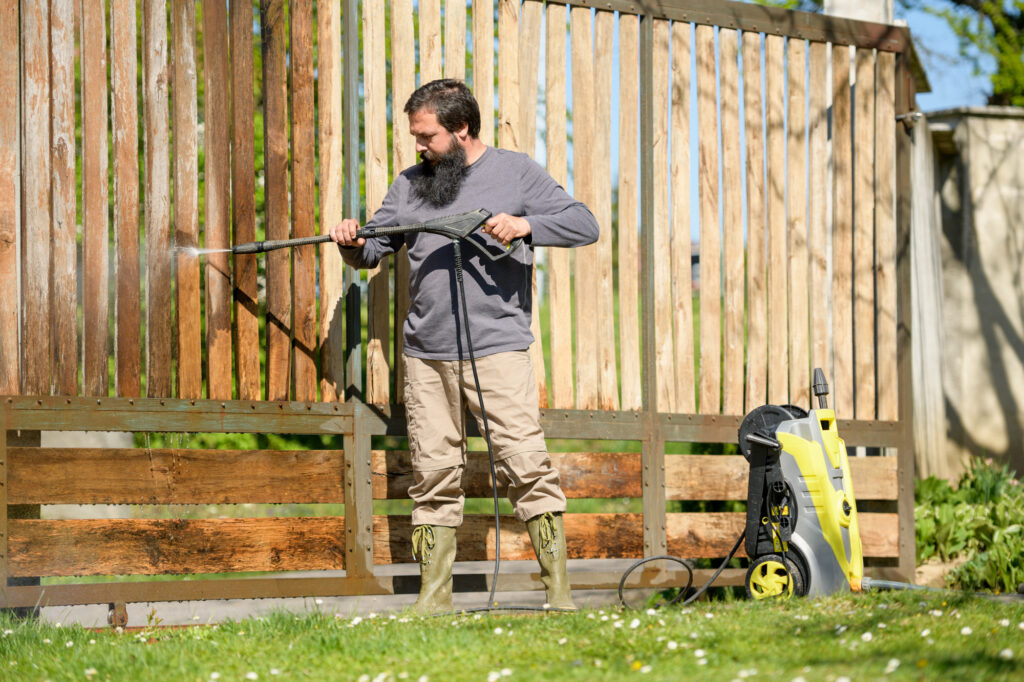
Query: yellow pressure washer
x=802, y=535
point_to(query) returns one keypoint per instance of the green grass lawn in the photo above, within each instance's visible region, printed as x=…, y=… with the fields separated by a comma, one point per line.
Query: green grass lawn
x=892, y=635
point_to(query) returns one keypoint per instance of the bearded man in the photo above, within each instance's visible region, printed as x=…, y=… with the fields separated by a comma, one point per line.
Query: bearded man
x=459, y=173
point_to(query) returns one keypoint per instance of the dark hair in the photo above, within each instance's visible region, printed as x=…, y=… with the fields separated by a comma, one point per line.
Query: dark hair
x=451, y=101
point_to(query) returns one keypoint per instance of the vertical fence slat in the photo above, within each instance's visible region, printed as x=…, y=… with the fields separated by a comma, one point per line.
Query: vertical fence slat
x=375, y=85
x=529, y=50
x=455, y=39
x=403, y=82
x=608, y=383
x=243, y=203
x=817, y=198
x=430, y=40
x=629, y=253
x=186, y=199
x=842, y=235
x=710, y=246
x=863, y=235
x=732, y=225
x=64, y=284
x=664, y=353
x=885, y=237
x=329, y=89
x=508, y=75
x=775, y=75
x=217, y=176
x=10, y=375
x=757, y=304
x=559, y=269
x=36, y=217
x=275, y=150
x=303, y=196
x=126, y=197
x=682, y=273
x=796, y=203
x=585, y=280
x=483, y=64
x=157, y=200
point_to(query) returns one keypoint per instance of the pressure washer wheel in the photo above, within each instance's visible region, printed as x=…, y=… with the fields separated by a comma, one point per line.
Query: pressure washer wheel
x=769, y=578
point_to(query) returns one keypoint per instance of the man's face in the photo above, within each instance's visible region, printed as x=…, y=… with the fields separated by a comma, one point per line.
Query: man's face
x=433, y=140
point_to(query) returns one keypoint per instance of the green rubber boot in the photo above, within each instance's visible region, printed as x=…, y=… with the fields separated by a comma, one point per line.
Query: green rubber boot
x=434, y=546
x=547, y=533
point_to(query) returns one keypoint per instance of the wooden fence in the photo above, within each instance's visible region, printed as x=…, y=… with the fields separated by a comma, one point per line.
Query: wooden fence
x=768, y=137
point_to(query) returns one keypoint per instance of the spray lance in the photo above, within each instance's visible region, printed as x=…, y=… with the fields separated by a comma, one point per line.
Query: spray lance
x=456, y=227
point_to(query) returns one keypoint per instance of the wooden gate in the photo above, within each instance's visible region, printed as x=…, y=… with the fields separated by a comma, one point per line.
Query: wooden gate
x=764, y=139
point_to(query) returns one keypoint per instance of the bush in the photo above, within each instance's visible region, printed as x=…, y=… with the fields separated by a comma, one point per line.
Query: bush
x=980, y=521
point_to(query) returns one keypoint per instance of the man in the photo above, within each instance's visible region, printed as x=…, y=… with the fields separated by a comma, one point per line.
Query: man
x=459, y=173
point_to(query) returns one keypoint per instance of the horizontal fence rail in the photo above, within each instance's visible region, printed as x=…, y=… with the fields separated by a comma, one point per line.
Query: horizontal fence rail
x=743, y=163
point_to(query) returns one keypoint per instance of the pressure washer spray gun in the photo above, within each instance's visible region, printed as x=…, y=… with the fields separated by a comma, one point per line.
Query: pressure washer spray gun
x=802, y=535
x=456, y=227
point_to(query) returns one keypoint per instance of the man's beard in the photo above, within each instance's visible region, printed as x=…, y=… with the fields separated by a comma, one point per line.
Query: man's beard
x=440, y=177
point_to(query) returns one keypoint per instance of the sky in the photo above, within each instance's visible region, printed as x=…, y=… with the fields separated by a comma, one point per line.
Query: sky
x=953, y=81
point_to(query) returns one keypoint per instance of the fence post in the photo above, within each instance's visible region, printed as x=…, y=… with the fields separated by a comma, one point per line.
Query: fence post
x=358, y=497
x=653, y=447
x=905, y=503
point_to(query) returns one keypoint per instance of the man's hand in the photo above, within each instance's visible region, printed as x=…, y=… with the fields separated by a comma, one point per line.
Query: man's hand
x=506, y=228
x=345, y=233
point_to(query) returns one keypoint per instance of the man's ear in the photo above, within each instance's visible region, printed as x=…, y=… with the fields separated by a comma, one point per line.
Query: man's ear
x=463, y=132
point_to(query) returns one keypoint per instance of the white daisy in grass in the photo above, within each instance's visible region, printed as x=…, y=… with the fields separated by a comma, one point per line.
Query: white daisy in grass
x=673, y=646
x=966, y=630
x=892, y=665
x=1006, y=654
x=867, y=637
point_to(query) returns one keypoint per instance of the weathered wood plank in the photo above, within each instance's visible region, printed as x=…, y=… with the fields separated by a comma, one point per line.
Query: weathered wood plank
x=778, y=353
x=732, y=225
x=664, y=348
x=582, y=474
x=155, y=547
x=483, y=62
x=174, y=476
x=243, y=202
x=818, y=196
x=378, y=351
x=710, y=240
x=403, y=82
x=842, y=235
x=724, y=477
x=713, y=534
x=559, y=260
x=125, y=117
x=36, y=349
x=598, y=536
x=156, y=79
x=628, y=223
x=682, y=271
x=585, y=270
x=217, y=176
x=274, y=33
x=608, y=381
x=331, y=180
x=885, y=237
x=10, y=59
x=64, y=234
x=796, y=209
x=303, y=197
x=186, y=199
x=509, y=132
x=529, y=50
x=455, y=39
x=863, y=236
x=430, y=40
x=757, y=303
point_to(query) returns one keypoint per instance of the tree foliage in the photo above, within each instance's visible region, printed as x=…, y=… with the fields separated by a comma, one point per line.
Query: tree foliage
x=990, y=35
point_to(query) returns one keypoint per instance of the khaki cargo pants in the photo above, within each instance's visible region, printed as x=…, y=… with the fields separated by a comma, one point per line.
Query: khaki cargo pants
x=436, y=394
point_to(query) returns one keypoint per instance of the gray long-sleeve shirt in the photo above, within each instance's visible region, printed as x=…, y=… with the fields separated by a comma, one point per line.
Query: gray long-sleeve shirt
x=498, y=294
